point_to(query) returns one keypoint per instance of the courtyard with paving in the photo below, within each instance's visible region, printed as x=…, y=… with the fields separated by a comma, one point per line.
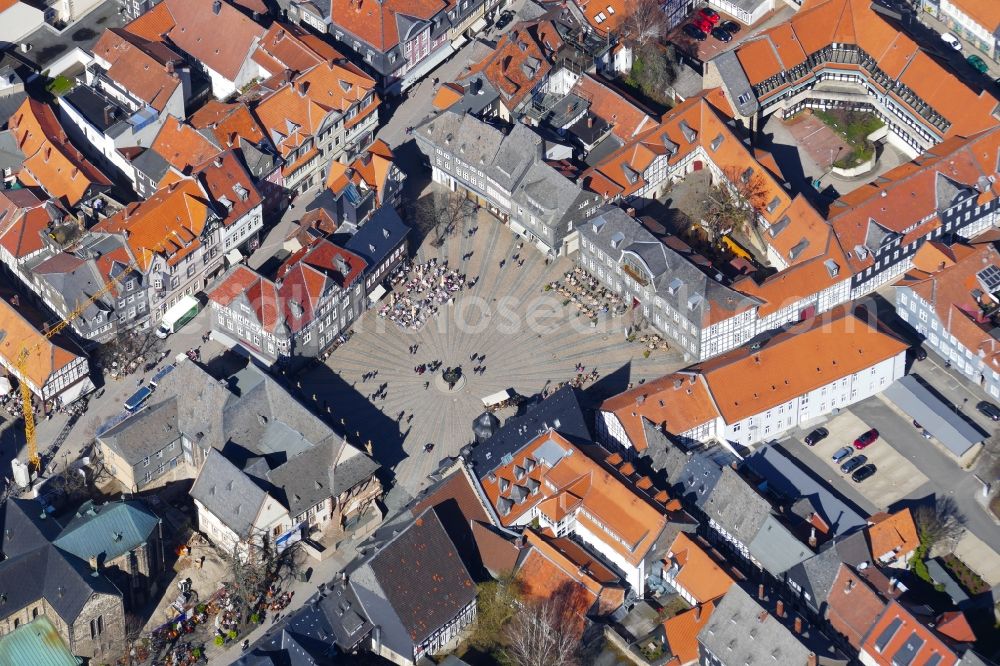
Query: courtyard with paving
x=526, y=339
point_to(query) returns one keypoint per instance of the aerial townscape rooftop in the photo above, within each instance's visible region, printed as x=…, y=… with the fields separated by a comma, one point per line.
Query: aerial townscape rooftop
x=500, y=332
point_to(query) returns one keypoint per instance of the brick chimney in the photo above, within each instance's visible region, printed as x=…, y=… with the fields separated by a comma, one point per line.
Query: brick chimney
x=780, y=608
x=812, y=660
x=812, y=538
x=798, y=624
x=590, y=121
x=760, y=591
x=761, y=616
x=697, y=613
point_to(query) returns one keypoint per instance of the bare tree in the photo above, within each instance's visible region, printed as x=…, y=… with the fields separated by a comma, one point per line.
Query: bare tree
x=645, y=23
x=442, y=212
x=127, y=646
x=251, y=568
x=939, y=521
x=654, y=70
x=548, y=633
x=735, y=204
x=496, y=604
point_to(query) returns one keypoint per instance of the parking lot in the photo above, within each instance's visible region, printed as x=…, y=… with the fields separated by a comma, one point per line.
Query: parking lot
x=712, y=47
x=895, y=479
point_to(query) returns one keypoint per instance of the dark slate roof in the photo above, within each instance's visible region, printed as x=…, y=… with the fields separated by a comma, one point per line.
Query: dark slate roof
x=11, y=156
x=108, y=530
x=561, y=412
x=792, y=482
x=144, y=433
x=737, y=83
x=228, y=493
x=413, y=585
x=378, y=237
x=691, y=472
x=683, y=285
x=324, y=470
x=736, y=506
x=34, y=568
x=151, y=164
x=738, y=614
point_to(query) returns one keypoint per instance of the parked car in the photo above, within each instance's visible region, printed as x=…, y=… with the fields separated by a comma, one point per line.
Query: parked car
x=709, y=15
x=919, y=353
x=866, y=439
x=722, y=35
x=842, y=453
x=731, y=27
x=952, y=41
x=863, y=473
x=703, y=25
x=853, y=464
x=989, y=410
x=815, y=436
x=978, y=64
x=692, y=31
x=506, y=17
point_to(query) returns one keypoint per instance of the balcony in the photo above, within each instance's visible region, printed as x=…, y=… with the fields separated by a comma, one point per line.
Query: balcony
x=636, y=274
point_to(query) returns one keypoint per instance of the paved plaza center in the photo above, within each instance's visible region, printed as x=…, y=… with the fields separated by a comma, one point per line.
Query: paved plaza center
x=531, y=341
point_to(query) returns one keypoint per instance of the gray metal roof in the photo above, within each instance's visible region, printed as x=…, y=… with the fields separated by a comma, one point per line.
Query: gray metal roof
x=776, y=548
x=228, y=493
x=324, y=470
x=816, y=575
x=736, y=506
x=378, y=237
x=787, y=479
x=35, y=569
x=108, y=530
x=675, y=279
x=11, y=156
x=940, y=420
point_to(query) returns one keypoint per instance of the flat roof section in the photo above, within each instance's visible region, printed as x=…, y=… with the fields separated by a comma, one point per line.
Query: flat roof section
x=934, y=415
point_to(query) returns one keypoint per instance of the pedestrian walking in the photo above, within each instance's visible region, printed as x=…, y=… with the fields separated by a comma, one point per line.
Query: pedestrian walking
x=502, y=262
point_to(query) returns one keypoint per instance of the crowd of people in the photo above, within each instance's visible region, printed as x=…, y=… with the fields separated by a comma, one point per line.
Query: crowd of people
x=419, y=290
x=588, y=295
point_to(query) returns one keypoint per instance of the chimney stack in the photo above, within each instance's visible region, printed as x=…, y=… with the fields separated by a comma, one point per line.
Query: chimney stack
x=798, y=624
x=761, y=616
x=812, y=660
x=760, y=591
x=812, y=538
x=697, y=613
x=849, y=586
x=780, y=608
x=892, y=585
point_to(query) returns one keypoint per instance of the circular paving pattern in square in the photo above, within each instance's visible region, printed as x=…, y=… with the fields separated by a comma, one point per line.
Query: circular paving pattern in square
x=531, y=342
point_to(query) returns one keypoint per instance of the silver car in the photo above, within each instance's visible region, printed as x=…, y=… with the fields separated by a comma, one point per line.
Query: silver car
x=842, y=453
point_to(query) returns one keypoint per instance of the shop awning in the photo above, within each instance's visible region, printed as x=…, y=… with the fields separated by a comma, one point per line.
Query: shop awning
x=377, y=293
x=234, y=257
x=478, y=25
x=458, y=42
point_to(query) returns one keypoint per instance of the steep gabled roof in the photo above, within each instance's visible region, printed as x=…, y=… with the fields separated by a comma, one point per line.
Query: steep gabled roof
x=51, y=160
x=145, y=68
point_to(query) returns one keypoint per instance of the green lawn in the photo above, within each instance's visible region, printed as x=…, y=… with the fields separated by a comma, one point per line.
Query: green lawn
x=60, y=85
x=854, y=127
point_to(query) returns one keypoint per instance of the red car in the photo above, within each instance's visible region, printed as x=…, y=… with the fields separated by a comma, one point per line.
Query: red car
x=709, y=15
x=867, y=439
x=702, y=24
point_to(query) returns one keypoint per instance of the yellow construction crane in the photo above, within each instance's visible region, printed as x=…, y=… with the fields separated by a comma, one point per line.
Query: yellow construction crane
x=34, y=460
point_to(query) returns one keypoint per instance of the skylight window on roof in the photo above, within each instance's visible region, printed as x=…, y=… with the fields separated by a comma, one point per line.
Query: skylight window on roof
x=611, y=10
x=599, y=18
x=989, y=277
x=883, y=639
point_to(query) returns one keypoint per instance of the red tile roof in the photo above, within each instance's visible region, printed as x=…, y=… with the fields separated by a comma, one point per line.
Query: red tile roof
x=230, y=186
x=144, y=68
x=852, y=606
x=682, y=631
x=182, y=146
x=375, y=21
x=194, y=27
x=952, y=292
x=45, y=358
x=296, y=110
x=51, y=160
x=169, y=223
x=23, y=219
x=230, y=124
x=286, y=46
x=894, y=628
x=699, y=573
x=822, y=23
x=571, y=482
x=521, y=60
